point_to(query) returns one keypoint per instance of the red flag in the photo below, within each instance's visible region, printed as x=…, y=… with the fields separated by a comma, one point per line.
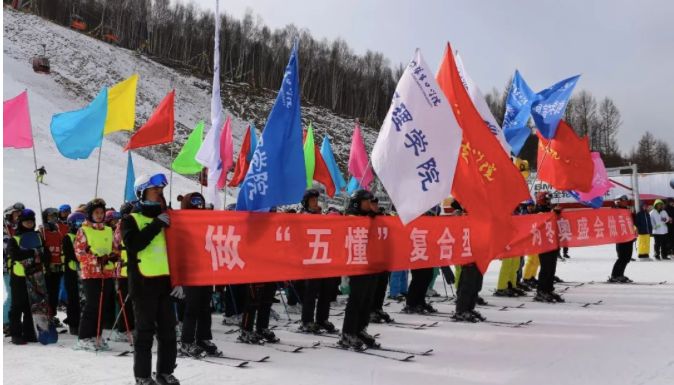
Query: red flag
x=565, y=161
x=158, y=129
x=226, y=152
x=322, y=174
x=486, y=181
x=241, y=166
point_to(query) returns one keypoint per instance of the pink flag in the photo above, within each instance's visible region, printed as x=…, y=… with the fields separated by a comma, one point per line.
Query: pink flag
x=358, y=164
x=17, y=130
x=600, y=181
x=226, y=152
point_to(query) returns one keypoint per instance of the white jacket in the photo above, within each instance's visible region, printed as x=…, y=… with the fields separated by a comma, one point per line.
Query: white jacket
x=659, y=220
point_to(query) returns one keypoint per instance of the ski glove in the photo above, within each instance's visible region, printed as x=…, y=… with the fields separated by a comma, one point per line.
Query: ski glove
x=164, y=218
x=178, y=292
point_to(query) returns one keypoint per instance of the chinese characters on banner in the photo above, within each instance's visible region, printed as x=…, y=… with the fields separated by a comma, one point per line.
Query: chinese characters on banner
x=219, y=247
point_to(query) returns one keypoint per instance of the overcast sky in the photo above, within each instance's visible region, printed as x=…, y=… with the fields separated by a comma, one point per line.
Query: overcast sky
x=623, y=49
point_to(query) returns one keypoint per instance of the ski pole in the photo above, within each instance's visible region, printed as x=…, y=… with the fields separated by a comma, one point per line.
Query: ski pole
x=100, y=311
x=123, y=311
x=117, y=319
x=284, y=304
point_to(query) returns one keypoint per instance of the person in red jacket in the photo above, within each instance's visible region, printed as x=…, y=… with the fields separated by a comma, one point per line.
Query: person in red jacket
x=53, y=237
x=98, y=253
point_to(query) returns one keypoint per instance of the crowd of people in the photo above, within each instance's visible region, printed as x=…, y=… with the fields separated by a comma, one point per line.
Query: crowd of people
x=113, y=266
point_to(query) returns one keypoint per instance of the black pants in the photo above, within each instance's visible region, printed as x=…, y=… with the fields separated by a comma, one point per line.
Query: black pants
x=123, y=288
x=92, y=294
x=546, y=275
x=259, y=298
x=71, y=283
x=20, y=317
x=357, y=313
x=624, y=251
x=53, y=281
x=295, y=292
x=565, y=250
x=470, y=283
x=380, y=291
x=317, y=296
x=670, y=239
x=154, y=313
x=416, y=293
x=235, y=299
x=660, y=244
x=197, y=319
x=448, y=274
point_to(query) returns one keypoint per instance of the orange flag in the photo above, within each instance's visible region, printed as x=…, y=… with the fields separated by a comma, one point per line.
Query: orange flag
x=158, y=129
x=565, y=161
x=486, y=182
x=242, y=164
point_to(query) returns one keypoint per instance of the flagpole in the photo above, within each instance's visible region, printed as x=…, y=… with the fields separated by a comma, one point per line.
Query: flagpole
x=171, y=176
x=538, y=167
x=39, y=193
x=98, y=168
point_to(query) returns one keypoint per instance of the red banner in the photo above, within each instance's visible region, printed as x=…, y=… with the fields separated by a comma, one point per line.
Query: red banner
x=225, y=247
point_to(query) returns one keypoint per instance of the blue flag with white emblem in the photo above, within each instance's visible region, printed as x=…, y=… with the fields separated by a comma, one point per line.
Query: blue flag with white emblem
x=549, y=107
x=277, y=175
x=517, y=113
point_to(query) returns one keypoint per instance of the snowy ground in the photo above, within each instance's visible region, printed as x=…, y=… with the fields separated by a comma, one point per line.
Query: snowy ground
x=625, y=340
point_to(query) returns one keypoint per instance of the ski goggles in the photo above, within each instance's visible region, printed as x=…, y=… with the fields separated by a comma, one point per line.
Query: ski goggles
x=156, y=180
x=197, y=201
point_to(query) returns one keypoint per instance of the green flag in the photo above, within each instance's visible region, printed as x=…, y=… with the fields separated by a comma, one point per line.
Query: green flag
x=310, y=156
x=185, y=162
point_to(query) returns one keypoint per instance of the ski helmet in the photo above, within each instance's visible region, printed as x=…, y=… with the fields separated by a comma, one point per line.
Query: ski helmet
x=359, y=196
x=145, y=182
x=112, y=215
x=27, y=215
x=193, y=200
x=75, y=221
x=65, y=208
x=47, y=212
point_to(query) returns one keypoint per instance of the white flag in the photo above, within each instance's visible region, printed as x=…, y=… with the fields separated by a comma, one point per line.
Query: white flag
x=481, y=104
x=417, y=149
x=209, y=152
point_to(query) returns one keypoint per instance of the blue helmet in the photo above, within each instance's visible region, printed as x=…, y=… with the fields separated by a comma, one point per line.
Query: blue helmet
x=65, y=208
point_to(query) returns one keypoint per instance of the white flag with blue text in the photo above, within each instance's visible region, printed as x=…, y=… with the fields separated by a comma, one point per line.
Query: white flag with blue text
x=417, y=149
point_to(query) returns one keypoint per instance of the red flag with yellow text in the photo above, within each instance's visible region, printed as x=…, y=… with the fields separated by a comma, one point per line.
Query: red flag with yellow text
x=565, y=161
x=486, y=182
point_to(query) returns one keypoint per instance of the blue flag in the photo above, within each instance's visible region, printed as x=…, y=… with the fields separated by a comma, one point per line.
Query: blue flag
x=253, y=143
x=353, y=185
x=277, y=175
x=329, y=158
x=549, y=108
x=594, y=203
x=77, y=133
x=517, y=112
x=129, y=193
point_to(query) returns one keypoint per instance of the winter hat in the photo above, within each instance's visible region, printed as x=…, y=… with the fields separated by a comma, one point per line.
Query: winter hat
x=192, y=201
x=92, y=206
x=658, y=201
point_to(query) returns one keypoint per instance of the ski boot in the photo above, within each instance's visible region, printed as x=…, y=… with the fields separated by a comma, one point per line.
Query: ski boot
x=268, y=336
x=249, y=337
x=310, y=327
x=522, y=286
x=368, y=339
x=350, y=341
x=556, y=279
x=432, y=293
x=480, y=301
x=166, y=379
x=327, y=326
x=18, y=340
x=429, y=308
x=145, y=381
x=414, y=310
x=209, y=348
x=384, y=316
x=478, y=315
x=517, y=292
x=556, y=297
x=375, y=318
x=502, y=293
x=544, y=297
x=464, y=316
x=191, y=350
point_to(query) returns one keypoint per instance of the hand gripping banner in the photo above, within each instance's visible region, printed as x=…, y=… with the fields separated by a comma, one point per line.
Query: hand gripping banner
x=225, y=247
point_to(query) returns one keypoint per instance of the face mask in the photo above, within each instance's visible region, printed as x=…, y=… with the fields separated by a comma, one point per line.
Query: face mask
x=150, y=203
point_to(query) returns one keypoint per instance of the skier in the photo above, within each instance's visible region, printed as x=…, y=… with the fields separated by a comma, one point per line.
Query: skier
x=416, y=294
x=624, y=250
x=548, y=260
x=53, y=238
x=149, y=282
x=257, y=310
x=39, y=174
x=64, y=212
x=196, y=333
x=97, y=252
x=669, y=208
x=644, y=231
x=22, y=262
x=11, y=217
x=71, y=273
x=126, y=325
x=398, y=285
x=377, y=314
x=660, y=220
x=507, y=285
x=361, y=288
x=317, y=292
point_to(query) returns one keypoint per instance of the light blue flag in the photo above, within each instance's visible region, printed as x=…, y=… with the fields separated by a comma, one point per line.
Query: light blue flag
x=353, y=185
x=549, y=107
x=78, y=133
x=277, y=174
x=253, y=143
x=129, y=193
x=595, y=203
x=517, y=113
x=329, y=158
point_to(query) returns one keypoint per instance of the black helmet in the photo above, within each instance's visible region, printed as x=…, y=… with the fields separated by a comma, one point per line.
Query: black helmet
x=93, y=205
x=311, y=193
x=359, y=196
x=49, y=211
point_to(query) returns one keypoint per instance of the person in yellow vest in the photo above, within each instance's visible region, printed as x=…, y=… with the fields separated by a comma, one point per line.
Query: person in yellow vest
x=143, y=233
x=98, y=253
x=126, y=324
x=21, y=261
x=71, y=273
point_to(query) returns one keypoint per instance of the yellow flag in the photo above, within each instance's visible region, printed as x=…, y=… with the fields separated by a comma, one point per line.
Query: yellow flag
x=121, y=106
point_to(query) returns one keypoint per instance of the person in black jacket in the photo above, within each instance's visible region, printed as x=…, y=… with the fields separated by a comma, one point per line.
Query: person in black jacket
x=22, y=263
x=149, y=282
x=363, y=288
x=317, y=292
x=644, y=231
x=669, y=208
x=624, y=249
x=546, y=277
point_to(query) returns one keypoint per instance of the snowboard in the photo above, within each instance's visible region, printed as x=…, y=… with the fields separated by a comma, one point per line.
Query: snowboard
x=37, y=292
